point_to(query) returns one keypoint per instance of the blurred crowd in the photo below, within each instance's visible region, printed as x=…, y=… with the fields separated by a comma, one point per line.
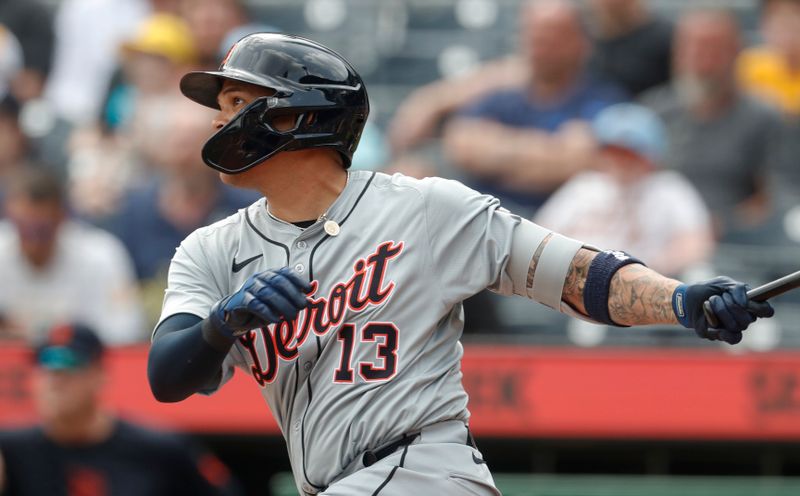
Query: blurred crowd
x=101, y=171
x=80, y=447
x=609, y=123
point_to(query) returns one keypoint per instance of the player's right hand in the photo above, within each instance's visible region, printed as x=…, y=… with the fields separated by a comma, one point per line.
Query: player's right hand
x=264, y=298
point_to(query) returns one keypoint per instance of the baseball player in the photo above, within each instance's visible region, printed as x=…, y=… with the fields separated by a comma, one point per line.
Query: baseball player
x=340, y=292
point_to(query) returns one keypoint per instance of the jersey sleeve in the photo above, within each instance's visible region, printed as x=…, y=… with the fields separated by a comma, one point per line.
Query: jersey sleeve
x=191, y=285
x=193, y=288
x=477, y=244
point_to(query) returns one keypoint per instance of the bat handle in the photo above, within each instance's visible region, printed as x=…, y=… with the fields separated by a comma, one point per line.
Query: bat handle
x=710, y=318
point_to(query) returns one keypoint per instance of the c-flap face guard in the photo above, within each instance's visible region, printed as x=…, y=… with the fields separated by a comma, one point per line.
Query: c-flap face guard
x=249, y=138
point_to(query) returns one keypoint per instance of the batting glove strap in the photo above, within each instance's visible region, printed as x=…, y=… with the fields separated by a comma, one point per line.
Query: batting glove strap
x=218, y=321
x=219, y=339
x=679, y=306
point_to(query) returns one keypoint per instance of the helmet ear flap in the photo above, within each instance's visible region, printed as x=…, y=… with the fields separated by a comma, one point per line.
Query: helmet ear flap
x=285, y=123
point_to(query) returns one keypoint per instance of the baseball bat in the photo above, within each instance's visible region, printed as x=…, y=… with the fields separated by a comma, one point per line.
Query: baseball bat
x=761, y=293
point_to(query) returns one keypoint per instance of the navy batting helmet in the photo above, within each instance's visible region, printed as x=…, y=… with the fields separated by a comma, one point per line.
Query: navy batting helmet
x=311, y=82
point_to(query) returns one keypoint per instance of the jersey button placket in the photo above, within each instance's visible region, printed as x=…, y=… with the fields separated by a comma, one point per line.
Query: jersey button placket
x=299, y=252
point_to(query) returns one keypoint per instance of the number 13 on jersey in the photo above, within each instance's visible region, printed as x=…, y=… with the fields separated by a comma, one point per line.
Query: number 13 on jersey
x=384, y=367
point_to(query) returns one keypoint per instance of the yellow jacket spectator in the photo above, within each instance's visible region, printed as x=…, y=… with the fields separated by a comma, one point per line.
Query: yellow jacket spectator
x=772, y=71
x=764, y=73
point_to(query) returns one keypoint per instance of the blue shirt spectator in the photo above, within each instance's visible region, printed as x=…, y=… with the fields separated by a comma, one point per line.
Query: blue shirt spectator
x=515, y=108
x=151, y=238
x=521, y=143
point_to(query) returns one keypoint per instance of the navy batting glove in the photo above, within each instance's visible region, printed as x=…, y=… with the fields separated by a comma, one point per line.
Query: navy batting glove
x=729, y=302
x=263, y=299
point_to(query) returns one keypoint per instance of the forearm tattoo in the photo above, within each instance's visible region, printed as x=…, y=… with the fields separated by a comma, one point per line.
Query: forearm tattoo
x=535, y=260
x=576, y=279
x=640, y=296
x=637, y=296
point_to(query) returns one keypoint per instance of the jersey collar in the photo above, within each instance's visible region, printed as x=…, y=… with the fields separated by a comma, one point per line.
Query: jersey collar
x=340, y=209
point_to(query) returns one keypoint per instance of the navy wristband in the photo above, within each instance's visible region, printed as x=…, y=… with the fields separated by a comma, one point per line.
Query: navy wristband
x=679, y=306
x=598, y=283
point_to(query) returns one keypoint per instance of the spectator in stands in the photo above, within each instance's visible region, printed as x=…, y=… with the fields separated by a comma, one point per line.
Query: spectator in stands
x=183, y=195
x=520, y=144
x=723, y=141
x=13, y=143
x=419, y=117
x=56, y=269
x=629, y=201
x=152, y=62
x=210, y=21
x=21, y=85
x=88, y=36
x=632, y=46
x=772, y=71
x=81, y=449
x=11, y=60
x=101, y=168
x=32, y=23
x=165, y=6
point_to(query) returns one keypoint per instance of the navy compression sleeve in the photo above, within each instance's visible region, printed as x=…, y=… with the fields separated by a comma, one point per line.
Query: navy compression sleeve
x=185, y=358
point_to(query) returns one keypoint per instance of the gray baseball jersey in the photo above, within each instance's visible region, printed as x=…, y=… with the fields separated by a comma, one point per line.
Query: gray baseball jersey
x=376, y=354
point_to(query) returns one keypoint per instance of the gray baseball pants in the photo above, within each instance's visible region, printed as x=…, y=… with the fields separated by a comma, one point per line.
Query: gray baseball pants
x=439, y=461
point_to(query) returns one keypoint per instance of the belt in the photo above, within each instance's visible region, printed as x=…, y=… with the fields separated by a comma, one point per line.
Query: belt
x=371, y=457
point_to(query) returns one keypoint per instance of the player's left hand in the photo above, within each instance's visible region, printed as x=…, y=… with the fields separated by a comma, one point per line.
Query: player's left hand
x=729, y=302
x=264, y=298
